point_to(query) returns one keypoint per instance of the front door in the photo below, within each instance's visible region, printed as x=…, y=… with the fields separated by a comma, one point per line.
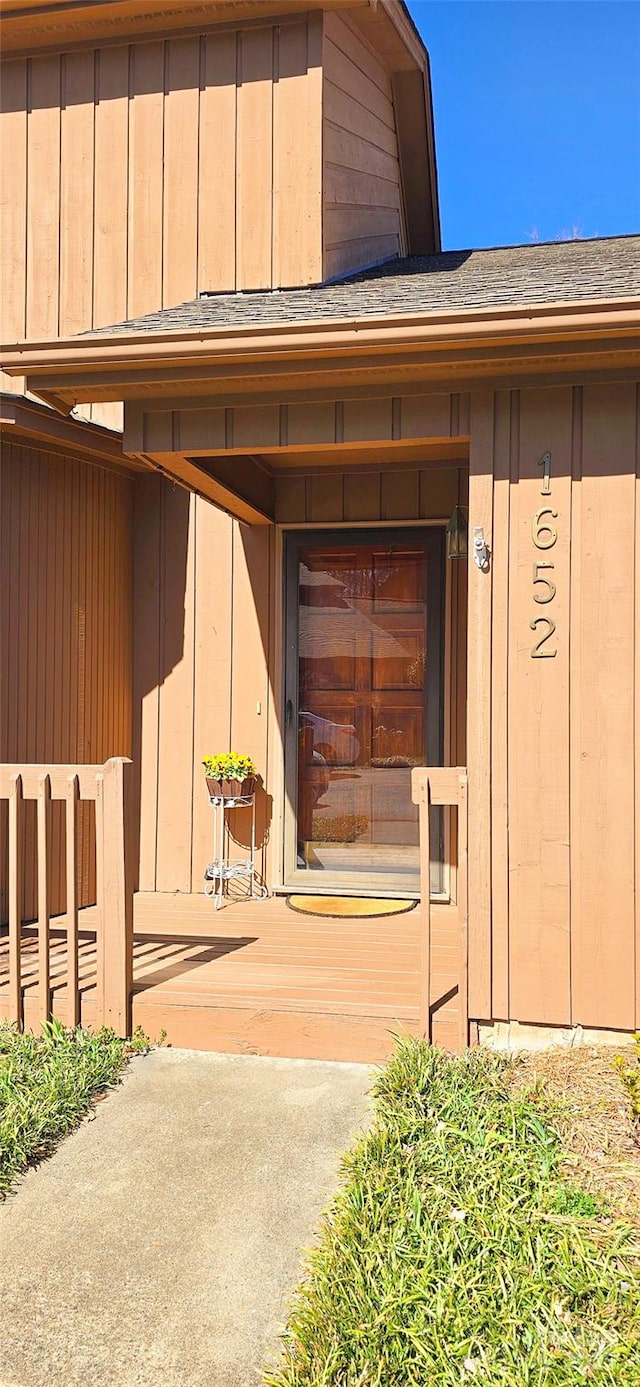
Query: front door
x=363, y=704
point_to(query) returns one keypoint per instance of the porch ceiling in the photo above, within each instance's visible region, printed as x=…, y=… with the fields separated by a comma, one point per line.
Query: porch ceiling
x=246, y=485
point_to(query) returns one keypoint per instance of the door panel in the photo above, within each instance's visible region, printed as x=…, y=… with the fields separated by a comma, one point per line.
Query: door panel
x=364, y=674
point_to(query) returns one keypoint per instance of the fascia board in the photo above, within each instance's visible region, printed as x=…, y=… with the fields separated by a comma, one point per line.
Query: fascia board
x=469, y=333
x=475, y=326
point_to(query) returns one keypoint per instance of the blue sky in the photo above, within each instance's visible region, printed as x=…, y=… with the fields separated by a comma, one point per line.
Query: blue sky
x=537, y=111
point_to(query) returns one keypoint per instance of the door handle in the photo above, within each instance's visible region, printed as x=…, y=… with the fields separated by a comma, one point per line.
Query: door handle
x=288, y=712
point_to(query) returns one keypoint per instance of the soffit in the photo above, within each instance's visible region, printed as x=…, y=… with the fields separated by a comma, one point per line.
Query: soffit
x=30, y=25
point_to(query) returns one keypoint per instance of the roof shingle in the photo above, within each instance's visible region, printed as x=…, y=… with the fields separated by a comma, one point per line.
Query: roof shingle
x=539, y=273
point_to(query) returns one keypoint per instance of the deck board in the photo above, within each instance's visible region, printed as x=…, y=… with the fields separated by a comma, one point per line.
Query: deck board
x=260, y=978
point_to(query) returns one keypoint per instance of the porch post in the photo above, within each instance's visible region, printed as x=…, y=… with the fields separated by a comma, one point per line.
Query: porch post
x=421, y=795
x=116, y=903
x=479, y=709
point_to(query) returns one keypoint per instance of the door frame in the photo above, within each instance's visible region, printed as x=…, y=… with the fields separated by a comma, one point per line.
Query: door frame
x=432, y=537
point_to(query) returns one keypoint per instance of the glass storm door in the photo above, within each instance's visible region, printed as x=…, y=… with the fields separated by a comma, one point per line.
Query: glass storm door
x=363, y=704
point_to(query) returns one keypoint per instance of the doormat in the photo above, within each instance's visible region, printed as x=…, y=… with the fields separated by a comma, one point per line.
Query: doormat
x=348, y=907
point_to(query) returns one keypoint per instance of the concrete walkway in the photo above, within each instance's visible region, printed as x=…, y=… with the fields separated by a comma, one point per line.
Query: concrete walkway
x=159, y=1245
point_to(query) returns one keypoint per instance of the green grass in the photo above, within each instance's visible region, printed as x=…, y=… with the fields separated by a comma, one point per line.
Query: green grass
x=47, y=1083
x=456, y=1252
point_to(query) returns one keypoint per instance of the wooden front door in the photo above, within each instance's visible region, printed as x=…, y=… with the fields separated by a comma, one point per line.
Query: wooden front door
x=363, y=704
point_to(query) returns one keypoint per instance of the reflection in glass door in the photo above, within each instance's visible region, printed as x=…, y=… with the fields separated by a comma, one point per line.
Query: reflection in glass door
x=364, y=703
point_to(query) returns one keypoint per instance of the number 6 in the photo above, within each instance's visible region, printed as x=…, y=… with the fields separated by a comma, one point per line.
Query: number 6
x=544, y=535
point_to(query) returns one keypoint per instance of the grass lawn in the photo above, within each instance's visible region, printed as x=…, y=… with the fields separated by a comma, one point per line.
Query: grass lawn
x=47, y=1083
x=486, y=1232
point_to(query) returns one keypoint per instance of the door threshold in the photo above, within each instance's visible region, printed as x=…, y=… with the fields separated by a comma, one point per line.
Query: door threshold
x=318, y=889
x=369, y=893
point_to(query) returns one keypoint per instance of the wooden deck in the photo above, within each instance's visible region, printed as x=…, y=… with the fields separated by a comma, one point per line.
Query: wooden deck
x=258, y=978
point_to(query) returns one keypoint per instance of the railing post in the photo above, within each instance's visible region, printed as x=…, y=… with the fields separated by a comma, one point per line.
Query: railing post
x=15, y=902
x=116, y=895
x=421, y=797
x=443, y=785
x=463, y=910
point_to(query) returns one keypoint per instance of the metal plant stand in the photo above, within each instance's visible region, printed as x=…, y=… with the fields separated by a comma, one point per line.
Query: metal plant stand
x=220, y=870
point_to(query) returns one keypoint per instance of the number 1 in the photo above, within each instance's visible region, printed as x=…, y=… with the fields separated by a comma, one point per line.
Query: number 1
x=545, y=462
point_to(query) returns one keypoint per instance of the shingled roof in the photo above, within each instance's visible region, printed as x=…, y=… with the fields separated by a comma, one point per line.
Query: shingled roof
x=538, y=273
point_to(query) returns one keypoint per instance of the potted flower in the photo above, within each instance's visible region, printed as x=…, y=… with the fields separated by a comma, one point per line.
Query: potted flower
x=230, y=774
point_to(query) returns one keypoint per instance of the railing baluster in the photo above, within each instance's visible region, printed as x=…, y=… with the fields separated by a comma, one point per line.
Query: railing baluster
x=15, y=902
x=110, y=787
x=101, y=911
x=73, y=994
x=117, y=915
x=44, y=964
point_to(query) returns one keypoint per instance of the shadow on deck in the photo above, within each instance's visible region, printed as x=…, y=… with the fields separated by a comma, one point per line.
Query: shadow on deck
x=256, y=978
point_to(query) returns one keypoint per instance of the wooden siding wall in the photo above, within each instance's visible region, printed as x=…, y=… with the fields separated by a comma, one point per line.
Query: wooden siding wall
x=363, y=209
x=66, y=635
x=554, y=743
x=135, y=177
x=205, y=599
x=203, y=593
x=300, y=427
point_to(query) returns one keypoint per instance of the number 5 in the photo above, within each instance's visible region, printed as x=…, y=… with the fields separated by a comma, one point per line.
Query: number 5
x=547, y=583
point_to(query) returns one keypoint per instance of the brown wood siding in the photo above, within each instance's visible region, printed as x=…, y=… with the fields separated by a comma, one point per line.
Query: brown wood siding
x=66, y=608
x=204, y=155
x=363, y=209
x=203, y=596
x=302, y=434
x=553, y=742
x=204, y=672
x=195, y=596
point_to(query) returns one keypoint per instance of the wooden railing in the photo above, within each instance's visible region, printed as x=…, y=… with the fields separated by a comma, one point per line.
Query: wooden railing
x=447, y=786
x=109, y=788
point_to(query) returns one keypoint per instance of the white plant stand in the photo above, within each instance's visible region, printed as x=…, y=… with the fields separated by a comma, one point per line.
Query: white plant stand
x=221, y=870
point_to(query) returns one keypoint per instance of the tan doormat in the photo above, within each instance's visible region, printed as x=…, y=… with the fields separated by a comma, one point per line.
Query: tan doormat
x=348, y=907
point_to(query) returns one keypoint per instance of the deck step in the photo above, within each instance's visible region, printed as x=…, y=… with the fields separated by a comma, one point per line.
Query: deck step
x=288, y=1034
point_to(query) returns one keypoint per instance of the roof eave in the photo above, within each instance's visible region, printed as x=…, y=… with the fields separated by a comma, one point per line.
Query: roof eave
x=62, y=371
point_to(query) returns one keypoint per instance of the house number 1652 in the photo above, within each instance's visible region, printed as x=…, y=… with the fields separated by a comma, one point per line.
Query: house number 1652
x=544, y=536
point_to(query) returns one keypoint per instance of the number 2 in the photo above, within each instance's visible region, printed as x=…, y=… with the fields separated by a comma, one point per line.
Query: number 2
x=537, y=653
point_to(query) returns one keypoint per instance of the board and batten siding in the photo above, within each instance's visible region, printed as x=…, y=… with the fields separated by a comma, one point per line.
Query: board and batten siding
x=363, y=210
x=66, y=633
x=203, y=587
x=554, y=732
x=205, y=672
x=133, y=178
